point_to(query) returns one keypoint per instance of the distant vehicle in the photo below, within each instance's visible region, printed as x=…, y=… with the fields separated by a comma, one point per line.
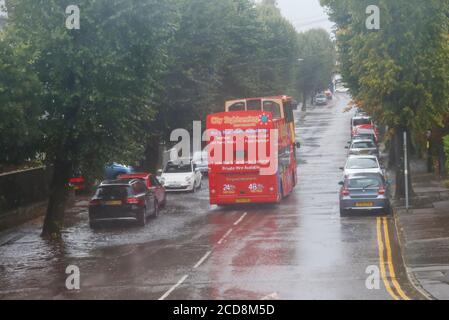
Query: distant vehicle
x=369, y=133
x=122, y=200
x=320, y=99
x=362, y=164
x=341, y=89
x=112, y=171
x=200, y=160
x=152, y=184
x=359, y=121
x=364, y=192
x=363, y=147
x=181, y=175
x=77, y=182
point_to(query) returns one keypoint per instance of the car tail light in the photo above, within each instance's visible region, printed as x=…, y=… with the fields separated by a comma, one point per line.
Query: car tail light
x=345, y=192
x=132, y=201
x=381, y=191
x=95, y=202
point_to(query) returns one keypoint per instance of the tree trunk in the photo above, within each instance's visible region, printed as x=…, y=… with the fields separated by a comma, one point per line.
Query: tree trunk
x=399, y=155
x=151, y=160
x=59, y=195
x=304, y=102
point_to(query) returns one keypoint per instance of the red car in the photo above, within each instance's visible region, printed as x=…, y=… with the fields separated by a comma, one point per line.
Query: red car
x=77, y=183
x=151, y=182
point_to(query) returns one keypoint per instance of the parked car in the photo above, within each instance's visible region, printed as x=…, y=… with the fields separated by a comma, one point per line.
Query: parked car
x=363, y=147
x=320, y=99
x=200, y=159
x=152, y=183
x=359, y=121
x=369, y=133
x=181, y=175
x=113, y=170
x=122, y=200
x=362, y=164
x=364, y=192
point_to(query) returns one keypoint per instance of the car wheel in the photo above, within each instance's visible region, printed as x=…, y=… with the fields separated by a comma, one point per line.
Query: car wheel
x=93, y=224
x=164, y=202
x=142, y=218
x=343, y=212
x=156, y=209
x=201, y=185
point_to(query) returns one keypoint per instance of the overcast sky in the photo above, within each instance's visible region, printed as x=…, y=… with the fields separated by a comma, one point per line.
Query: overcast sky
x=305, y=14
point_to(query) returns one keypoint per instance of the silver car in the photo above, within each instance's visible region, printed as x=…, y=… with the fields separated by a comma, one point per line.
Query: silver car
x=363, y=164
x=363, y=147
x=364, y=192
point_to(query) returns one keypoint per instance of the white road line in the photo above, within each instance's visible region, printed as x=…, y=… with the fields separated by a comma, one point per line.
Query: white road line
x=174, y=287
x=202, y=259
x=225, y=236
x=241, y=218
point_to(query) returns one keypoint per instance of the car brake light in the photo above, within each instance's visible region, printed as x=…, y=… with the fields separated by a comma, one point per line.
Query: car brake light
x=345, y=192
x=94, y=202
x=132, y=201
x=381, y=191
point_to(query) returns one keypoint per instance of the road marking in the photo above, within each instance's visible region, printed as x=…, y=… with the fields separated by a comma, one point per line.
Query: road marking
x=390, y=261
x=174, y=287
x=380, y=244
x=202, y=259
x=241, y=218
x=225, y=236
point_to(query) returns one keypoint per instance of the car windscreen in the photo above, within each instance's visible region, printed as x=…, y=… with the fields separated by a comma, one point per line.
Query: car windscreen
x=364, y=182
x=361, y=163
x=361, y=121
x=368, y=136
x=113, y=192
x=363, y=145
x=175, y=168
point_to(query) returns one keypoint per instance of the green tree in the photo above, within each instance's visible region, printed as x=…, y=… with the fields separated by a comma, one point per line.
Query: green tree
x=399, y=73
x=317, y=62
x=97, y=84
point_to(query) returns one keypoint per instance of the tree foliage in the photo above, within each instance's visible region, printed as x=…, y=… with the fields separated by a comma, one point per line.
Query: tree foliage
x=400, y=73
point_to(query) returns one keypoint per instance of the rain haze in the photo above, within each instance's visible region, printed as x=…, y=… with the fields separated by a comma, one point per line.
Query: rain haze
x=305, y=14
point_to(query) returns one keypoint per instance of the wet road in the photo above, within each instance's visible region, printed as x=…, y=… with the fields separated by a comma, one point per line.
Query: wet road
x=300, y=249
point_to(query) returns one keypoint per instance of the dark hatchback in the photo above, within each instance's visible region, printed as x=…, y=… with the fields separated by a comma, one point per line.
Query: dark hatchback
x=122, y=200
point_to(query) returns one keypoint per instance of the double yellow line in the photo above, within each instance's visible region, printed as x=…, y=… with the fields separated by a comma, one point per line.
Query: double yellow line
x=386, y=259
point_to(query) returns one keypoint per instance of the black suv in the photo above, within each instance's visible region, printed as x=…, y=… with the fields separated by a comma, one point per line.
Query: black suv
x=122, y=200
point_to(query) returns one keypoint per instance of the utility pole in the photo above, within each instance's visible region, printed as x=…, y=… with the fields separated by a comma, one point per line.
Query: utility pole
x=407, y=204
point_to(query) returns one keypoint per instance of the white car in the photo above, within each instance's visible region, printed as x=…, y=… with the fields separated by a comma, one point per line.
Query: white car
x=362, y=164
x=201, y=161
x=181, y=176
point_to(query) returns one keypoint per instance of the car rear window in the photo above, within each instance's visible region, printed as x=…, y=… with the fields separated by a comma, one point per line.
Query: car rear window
x=113, y=192
x=359, y=122
x=364, y=182
x=182, y=168
x=363, y=145
x=361, y=163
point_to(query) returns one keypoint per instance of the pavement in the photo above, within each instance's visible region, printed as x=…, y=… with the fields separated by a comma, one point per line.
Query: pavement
x=299, y=249
x=424, y=233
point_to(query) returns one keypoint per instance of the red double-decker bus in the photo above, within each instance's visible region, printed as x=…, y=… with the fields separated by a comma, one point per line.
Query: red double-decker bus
x=252, y=151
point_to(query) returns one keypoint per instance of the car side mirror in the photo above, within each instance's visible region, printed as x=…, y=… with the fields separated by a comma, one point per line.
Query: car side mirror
x=342, y=169
x=341, y=183
x=159, y=172
x=298, y=145
x=347, y=147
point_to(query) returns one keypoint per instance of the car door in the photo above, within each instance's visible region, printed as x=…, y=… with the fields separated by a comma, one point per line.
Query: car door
x=159, y=190
x=196, y=175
